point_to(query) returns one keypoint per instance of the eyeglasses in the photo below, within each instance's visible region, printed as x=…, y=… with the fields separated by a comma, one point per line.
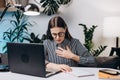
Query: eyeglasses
x=60, y=34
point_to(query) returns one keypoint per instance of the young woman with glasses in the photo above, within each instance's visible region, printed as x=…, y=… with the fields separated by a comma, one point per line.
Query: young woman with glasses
x=62, y=50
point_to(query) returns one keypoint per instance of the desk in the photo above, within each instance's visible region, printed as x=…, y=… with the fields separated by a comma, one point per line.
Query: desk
x=60, y=76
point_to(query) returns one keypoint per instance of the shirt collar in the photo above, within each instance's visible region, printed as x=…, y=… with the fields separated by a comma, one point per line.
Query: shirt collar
x=63, y=44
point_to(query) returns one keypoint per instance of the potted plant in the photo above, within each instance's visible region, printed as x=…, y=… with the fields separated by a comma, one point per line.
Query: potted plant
x=35, y=38
x=19, y=29
x=88, y=33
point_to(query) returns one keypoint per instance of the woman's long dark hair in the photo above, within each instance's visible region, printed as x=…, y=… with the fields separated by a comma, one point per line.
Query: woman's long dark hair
x=57, y=21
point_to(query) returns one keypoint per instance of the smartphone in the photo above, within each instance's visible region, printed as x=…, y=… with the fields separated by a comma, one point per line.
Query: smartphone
x=109, y=71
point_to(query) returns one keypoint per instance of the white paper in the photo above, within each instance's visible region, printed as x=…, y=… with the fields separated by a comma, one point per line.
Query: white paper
x=80, y=73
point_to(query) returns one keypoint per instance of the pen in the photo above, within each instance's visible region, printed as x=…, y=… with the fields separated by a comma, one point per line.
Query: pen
x=86, y=75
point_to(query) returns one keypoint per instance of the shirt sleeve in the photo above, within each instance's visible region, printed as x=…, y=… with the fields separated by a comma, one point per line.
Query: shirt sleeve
x=85, y=57
x=45, y=51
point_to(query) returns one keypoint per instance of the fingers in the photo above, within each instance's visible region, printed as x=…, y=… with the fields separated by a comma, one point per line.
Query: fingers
x=58, y=51
x=59, y=48
x=61, y=67
x=64, y=53
x=67, y=48
x=65, y=68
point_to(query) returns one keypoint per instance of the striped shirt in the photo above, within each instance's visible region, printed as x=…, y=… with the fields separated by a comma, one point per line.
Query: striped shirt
x=75, y=46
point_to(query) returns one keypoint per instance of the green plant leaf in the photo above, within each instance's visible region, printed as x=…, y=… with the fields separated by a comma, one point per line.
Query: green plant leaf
x=88, y=33
x=19, y=30
x=98, y=51
x=52, y=6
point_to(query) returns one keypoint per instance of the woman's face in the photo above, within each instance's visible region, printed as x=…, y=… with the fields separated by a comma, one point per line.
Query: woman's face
x=58, y=34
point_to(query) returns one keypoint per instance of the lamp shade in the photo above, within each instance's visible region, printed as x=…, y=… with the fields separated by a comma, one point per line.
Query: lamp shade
x=32, y=10
x=111, y=27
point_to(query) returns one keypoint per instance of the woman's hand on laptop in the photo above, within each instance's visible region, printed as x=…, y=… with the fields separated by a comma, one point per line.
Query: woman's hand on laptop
x=61, y=67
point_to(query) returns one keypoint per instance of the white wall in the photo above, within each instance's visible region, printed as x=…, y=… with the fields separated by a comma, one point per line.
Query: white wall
x=89, y=12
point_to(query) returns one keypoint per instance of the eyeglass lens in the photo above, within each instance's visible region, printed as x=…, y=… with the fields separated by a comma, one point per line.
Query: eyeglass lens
x=60, y=34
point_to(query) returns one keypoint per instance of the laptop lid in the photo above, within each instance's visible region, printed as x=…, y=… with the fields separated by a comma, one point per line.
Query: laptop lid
x=26, y=58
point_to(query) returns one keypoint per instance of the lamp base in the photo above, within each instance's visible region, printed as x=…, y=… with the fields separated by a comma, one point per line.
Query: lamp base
x=117, y=50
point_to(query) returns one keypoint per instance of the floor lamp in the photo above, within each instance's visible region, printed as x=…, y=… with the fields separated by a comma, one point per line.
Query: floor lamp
x=112, y=30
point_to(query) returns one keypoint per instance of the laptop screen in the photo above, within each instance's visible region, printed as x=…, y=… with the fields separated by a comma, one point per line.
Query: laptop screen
x=26, y=58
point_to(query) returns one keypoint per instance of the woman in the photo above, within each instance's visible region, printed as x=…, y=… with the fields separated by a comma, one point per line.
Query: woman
x=62, y=50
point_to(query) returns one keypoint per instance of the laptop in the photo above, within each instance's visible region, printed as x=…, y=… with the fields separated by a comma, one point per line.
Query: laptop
x=28, y=58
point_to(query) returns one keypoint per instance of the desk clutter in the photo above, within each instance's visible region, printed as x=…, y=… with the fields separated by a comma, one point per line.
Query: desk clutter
x=109, y=74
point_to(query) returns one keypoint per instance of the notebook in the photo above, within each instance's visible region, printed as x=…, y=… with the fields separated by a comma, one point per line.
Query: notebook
x=28, y=58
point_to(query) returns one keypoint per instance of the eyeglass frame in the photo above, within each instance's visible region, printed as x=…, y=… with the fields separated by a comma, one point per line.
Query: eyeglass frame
x=60, y=34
